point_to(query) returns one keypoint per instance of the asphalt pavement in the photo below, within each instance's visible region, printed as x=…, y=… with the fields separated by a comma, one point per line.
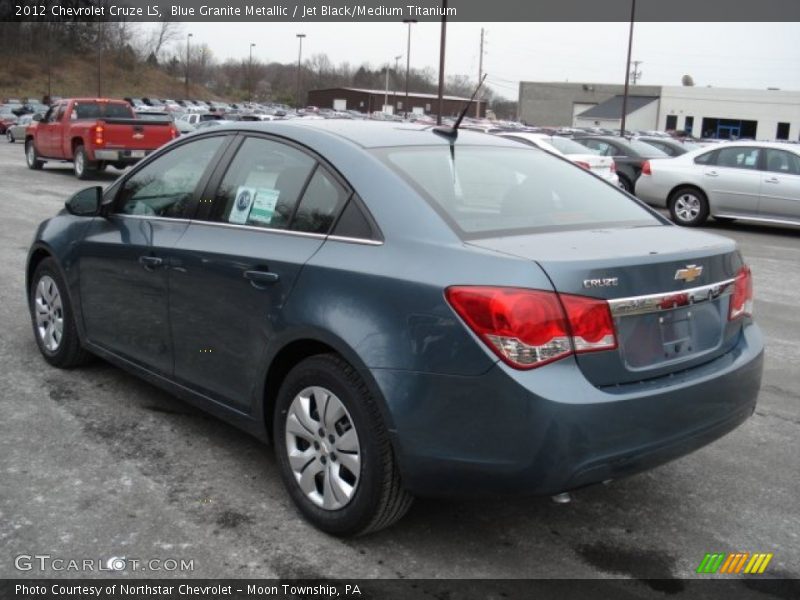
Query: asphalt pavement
x=95, y=463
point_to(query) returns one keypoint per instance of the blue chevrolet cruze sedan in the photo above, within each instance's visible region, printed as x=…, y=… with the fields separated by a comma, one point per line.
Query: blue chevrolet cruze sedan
x=404, y=312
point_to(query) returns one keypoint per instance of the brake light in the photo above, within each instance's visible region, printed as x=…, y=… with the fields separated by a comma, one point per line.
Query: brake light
x=742, y=298
x=613, y=167
x=98, y=135
x=646, y=168
x=583, y=164
x=173, y=131
x=530, y=328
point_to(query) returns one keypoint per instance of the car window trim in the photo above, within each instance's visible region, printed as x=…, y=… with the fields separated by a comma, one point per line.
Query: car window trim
x=192, y=207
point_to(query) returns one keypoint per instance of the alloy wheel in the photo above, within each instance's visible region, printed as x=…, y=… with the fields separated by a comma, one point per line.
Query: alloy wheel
x=79, y=163
x=687, y=207
x=49, y=313
x=323, y=448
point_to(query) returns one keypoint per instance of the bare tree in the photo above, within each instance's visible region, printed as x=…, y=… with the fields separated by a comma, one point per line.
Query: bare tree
x=164, y=34
x=687, y=81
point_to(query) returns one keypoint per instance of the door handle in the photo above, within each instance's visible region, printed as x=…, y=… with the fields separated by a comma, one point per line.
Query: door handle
x=259, y=279
x=772, y=180
x=150, y=262
x=712, y=173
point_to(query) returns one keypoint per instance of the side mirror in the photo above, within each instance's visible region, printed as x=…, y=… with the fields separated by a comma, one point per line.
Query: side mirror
x=37, y=117
x=85, y=203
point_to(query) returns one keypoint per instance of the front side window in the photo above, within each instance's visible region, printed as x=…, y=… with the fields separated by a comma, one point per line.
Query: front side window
x=738, y=158
x=262, y=185
x=484, y=191
x=781, y=161
x=165, y=186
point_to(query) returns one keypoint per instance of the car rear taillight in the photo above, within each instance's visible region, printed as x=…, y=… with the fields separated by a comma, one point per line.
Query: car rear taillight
x=646, y=168
x=613, y=167
x=530, y=328
x=173, y=132
x=742, y=298
x=583, y=164
x=98, y=135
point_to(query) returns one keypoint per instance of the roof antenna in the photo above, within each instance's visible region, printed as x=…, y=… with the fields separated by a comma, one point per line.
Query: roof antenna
x=452, y=132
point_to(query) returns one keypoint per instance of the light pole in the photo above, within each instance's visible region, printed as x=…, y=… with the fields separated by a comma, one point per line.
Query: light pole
x=300, y=36
x=186, y=80
x=441, y=62
x=627, y=70
x=396, y=61
x=250, y=76
x=408, y=22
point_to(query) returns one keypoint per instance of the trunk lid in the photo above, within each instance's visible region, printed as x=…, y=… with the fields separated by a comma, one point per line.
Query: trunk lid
x=599, y=165
x=667, y=287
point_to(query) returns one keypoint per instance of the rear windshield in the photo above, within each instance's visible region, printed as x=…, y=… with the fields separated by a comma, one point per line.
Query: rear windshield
x=96, y=110
x=484, y=191
x=568, y=146
x=646, y=150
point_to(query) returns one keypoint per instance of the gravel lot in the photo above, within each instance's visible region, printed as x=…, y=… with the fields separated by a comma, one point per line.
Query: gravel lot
x=95, y=463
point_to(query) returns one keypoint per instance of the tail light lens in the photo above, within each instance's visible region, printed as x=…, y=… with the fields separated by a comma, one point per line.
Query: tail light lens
x=646, y=168
x=742, y=298
x=613, y=167
x=583, y=164
x=530, y=328
x=98, y=135
x=174, y=132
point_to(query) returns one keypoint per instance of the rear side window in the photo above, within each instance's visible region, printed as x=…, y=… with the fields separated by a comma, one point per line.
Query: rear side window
x=706, y=158
x=165, y=186
x=485, y=191
x=781, y=161
x=321, y=202
x=646, y=150
x=738, y=157
x=263, y=185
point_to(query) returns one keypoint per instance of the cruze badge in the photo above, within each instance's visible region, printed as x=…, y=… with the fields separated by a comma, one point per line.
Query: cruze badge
x=598, y=283
x=689, y=274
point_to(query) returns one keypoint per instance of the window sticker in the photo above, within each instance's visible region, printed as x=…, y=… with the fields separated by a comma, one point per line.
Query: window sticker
x=264, y=205
x=242, y=205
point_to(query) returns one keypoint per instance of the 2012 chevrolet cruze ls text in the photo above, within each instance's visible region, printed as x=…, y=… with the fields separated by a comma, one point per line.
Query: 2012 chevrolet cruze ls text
x=404, y=312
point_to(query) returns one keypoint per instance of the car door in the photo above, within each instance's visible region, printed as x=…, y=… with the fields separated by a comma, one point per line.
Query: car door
x=237, y=262
x=124, y=257
x=780, y=185
x=733, y=181
x=47, y=136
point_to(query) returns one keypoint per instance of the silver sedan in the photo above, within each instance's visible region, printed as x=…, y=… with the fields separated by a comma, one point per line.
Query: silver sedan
x=17, y=130
x=755, y=181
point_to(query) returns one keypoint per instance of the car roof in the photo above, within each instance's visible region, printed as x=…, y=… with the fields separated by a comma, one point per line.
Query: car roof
x=370, y=134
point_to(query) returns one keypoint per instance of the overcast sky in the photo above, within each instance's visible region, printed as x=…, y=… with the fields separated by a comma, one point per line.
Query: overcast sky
x=748, y=55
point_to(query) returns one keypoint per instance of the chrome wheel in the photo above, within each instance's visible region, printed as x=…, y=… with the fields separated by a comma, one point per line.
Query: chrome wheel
x=30, y=154
x=323, y=448
x=687, y=207
x=80, y=163
x=49, y=313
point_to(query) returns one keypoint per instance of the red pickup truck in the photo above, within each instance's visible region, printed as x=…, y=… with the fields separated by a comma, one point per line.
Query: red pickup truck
x=93, y=133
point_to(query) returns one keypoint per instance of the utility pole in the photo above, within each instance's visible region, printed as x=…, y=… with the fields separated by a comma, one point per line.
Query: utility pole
x=409, y=22
x=299, y=36
x=250, y=76
x=186, y=80
x=627, y=70
x=480, y=77
x=441, y=62
x=100, y=53
x=386, y=92
x=394, y=87
x=636, y=74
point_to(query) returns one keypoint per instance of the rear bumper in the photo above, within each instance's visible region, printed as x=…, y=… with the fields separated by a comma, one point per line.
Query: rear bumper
x=651, y=192
x=549, y=430
x=121, y=156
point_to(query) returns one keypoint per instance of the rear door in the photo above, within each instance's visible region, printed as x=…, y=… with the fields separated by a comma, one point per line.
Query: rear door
x=124, y=257
x=780, y=185
x=264, y=216
x=733, y=182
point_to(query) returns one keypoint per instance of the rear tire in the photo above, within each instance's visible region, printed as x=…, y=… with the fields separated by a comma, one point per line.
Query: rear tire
x=53, y=320
x=10, y=136
x=324, y=408
x=625, y=184
x=32, y=156
x=81, y=165
x=688, y=206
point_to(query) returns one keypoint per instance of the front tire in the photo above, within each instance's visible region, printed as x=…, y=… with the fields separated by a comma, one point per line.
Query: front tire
x=688, y=206
x=53, y=320
x=625, y=184
x=10, y=136
x=32, y=157
x=333, y=450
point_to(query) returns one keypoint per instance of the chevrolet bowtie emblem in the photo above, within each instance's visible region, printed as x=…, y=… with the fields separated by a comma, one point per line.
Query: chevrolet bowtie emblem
x=689, y=274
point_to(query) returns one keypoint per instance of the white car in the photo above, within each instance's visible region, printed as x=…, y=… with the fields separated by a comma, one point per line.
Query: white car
x=602, y=166
x=756, y=181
